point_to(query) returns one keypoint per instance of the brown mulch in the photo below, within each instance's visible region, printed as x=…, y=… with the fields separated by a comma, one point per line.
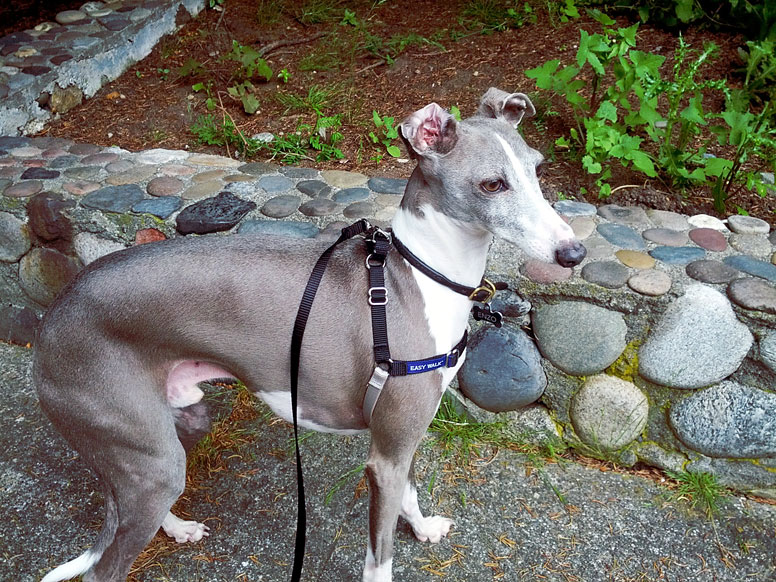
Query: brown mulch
x=152, y=105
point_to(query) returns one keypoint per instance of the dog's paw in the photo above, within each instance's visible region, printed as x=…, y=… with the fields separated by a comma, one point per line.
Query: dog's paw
x=432, y=529
x=184, y=531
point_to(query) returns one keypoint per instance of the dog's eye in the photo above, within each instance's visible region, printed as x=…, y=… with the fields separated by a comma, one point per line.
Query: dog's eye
x=493, y=186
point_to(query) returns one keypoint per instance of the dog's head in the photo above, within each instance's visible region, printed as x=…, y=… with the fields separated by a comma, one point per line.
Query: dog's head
x=481, y=171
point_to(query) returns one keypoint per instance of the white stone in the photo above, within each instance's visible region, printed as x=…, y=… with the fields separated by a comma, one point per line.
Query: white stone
x=748, y=225
x=90, y=247
x=698, y=341
x=706, y=221
x=161, y=156
x=768, y=349
x=608, y=413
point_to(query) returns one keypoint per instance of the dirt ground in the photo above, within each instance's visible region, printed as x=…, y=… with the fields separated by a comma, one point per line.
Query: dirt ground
x=446, y=59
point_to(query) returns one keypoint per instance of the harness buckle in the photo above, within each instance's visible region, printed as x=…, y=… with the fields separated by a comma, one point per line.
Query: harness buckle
x=484, y=293
x=452, y=358
x=376, y=232
x=378, y=296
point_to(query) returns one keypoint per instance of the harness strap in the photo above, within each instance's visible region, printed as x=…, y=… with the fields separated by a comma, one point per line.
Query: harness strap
x=302, y=315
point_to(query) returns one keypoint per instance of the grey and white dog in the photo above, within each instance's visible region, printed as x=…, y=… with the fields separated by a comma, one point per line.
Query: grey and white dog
x=122, y=350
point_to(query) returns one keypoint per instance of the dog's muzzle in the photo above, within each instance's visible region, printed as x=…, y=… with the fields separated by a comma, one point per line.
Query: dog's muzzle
x=570, y=254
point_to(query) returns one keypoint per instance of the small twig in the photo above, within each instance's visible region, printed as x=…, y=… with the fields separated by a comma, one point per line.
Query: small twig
x=220, y=18
x=372, y=66
x=624, y=186
x=265, y=50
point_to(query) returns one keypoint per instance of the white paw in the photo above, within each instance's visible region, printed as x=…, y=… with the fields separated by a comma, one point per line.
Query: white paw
x=432, y=529
x=184, y=531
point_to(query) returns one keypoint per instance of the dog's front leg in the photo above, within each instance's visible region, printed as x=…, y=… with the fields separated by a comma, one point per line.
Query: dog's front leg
x=427, y=529
x=387, y=478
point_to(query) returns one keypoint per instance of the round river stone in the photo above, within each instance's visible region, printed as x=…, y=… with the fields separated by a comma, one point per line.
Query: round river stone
x=665, y=236
x=650, y=282
x=635, y=259
x=748, y=225
x=281, y=206
x=677, y=255
x=753, y=294
x=728, y=420
x=698, y=341
x=709, y=239
x=607, y=274
x=503, y=370
x=563, y=335
x=608, y=412
x=708, y=271
x=542, y=272
x=621, y=236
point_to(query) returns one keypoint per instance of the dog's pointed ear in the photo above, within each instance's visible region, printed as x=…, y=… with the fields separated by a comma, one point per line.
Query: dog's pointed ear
x=429, y=130
x=511, y=107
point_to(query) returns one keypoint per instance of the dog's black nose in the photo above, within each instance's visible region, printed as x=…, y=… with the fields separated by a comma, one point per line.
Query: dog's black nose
x=570, y=254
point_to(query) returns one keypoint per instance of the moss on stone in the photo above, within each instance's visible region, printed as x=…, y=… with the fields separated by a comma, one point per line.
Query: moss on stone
x=626, y=367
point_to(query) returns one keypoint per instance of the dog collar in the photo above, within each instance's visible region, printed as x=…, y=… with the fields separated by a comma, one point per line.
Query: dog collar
x=483, y=293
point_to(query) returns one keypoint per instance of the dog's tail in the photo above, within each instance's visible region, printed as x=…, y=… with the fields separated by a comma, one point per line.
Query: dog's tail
x=90, y=557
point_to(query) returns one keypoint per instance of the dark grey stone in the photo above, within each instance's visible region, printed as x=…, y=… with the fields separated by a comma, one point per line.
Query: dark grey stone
x=607, y=274
x=161, y=206
x=754, y=294
x=502, y=371
x=752, y=266
x=678, y=255
x=359, y=210
x=39, y=174
x=14, y=238
x=574, y=208
x=273, y=184
x=319, y=207
x=258, y=168
x=10, y=142
x=215, y=214
x=84, y=149
x=299, y=173
x=114, y=23
x=114, y=198
x=281, y=206
x=36, y=70
x=61, y=162
x=387, y=185
x=708, y=271
x=621, y=236
x=18, y=324
x=314, y=188
x=291, y=228
x=350, y=195
x=630, y=215
x=728, y=420
x=563, y=334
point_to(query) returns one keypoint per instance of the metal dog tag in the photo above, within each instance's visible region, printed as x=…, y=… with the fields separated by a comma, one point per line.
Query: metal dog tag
x=485, y=314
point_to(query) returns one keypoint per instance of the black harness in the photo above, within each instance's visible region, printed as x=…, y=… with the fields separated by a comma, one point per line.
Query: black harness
x=379, y=244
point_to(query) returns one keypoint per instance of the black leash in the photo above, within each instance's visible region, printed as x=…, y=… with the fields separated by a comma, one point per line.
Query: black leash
x=296, y=348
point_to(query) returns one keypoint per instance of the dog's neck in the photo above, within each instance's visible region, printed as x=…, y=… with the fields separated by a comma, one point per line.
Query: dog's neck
x=454, y=248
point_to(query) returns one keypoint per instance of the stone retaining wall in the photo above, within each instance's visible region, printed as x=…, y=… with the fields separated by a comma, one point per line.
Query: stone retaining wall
x=659, y=348
x=51, y=68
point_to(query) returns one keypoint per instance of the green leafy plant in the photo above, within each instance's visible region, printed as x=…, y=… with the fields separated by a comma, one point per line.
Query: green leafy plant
x=207, y=87
x=386, y=135
x=324, y=137
x=191, y=68
x=318, y=98
x=759, y=70
x=251, y=65
x=284, y=75
x=245, y=92
x=562, y=11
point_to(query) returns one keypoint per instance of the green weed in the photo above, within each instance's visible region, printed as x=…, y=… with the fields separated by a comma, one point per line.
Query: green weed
x=699, y=490
x=386, y=135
